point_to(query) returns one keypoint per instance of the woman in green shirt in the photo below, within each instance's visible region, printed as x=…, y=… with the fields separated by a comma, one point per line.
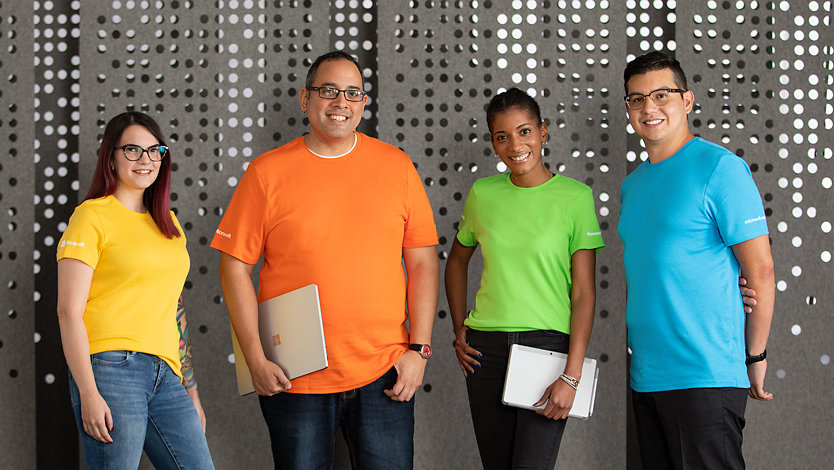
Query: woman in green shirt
x=539, y=235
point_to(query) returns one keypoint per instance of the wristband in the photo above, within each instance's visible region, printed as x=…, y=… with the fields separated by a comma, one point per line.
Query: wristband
x=753, y=359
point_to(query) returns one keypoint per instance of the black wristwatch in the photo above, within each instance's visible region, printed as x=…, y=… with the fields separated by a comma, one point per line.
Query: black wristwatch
x=423, y=349
x=751, y=359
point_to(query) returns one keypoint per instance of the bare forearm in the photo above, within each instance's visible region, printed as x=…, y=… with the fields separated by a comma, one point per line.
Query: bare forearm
x=756, y=264
x=242, y=303
x=422, y=291
x=583, y=301
x=581, y=323
x=757, y=327
x=456, y=286
x=194, y=395
x=76, y=347
x=456, y=281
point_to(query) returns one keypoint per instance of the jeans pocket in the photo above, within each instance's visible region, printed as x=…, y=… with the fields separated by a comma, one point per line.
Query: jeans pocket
x=112, y=358
x=547, y=339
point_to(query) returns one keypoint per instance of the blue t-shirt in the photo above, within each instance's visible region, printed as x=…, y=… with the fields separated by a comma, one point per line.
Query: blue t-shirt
x=678, y=221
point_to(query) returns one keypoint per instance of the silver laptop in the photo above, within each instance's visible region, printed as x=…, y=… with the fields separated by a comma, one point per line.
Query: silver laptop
x=531, y=370
x=291, y=333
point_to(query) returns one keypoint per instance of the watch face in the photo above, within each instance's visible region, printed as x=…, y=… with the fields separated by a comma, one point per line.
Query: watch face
x=425, y=351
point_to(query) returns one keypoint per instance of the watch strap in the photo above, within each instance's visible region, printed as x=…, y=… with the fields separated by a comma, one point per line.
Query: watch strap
x=423, y=349
x=753, y=359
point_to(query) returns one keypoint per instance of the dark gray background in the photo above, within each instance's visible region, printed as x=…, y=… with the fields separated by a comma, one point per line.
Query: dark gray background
x=221, y=78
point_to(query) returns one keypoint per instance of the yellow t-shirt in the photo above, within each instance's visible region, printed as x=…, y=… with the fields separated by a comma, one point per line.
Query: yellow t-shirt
x=138, y=276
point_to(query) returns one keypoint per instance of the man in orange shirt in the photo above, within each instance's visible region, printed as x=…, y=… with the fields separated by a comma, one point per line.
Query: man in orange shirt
x=344, y=211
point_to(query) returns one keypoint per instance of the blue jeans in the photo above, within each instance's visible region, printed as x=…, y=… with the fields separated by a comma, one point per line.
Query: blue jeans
x=379, y=431
x=510, y=437
x=151, y=410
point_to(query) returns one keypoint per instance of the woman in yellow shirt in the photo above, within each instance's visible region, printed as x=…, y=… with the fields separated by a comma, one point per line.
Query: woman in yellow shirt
x=122, y=262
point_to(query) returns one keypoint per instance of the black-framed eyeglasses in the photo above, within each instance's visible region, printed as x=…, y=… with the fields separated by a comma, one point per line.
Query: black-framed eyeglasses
x=330, y=93
x=659, y=97
x=134, y=152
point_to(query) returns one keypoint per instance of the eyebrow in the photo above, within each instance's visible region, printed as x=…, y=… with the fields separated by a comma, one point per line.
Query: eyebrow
x=516, y=128
x=334, y=85
x=656, y=89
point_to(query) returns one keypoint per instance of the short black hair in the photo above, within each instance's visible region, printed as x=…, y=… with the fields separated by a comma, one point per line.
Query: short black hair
x=652, y=61
x=332, y=55
x=512, y=98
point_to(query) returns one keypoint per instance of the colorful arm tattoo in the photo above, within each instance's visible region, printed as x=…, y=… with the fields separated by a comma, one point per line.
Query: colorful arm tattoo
x=188, y=379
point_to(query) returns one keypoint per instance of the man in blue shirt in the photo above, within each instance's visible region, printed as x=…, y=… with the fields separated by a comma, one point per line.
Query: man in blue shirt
x=690, y=218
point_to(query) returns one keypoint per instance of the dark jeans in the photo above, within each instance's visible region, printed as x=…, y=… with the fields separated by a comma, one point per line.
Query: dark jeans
x=379, y=431
x=697, y=428
x=510, y=437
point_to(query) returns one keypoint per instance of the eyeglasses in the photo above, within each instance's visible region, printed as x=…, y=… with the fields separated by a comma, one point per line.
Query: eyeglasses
x=329, y=93
x=134, y=152
x=660, y=97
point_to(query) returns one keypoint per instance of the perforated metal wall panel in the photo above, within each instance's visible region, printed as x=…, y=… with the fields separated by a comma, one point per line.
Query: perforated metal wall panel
x=222, y=79
x=444, y=61
x=17, y=217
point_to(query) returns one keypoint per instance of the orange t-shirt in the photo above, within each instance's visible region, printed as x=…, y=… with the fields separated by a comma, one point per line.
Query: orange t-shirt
x=342, y=224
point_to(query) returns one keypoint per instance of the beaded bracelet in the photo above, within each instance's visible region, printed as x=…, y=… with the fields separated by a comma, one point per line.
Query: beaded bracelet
x=574, y=383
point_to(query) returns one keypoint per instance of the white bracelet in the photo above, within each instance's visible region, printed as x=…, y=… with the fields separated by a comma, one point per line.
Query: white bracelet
x=574, y=383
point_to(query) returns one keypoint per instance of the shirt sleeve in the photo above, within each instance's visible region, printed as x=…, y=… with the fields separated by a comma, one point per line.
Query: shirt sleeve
x=84, y=237
x=733, y=201
x=467, y=236
x=586, y=234
x=419, y=227
x=242, y=231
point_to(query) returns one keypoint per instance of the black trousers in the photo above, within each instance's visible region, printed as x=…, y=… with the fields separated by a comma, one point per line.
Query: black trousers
x=508, y=437
x=698, y=428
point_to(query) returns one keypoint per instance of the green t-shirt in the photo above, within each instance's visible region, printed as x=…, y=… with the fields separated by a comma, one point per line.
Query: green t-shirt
x=527, y=237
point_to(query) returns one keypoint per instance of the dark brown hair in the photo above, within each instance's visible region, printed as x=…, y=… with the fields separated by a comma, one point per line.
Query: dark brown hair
x=156, y=196
x=652, y=61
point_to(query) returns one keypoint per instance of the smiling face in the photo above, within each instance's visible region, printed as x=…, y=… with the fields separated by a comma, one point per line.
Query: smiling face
x=134, y=177
x=332, y=122
x=664, y=129
x=517, y=138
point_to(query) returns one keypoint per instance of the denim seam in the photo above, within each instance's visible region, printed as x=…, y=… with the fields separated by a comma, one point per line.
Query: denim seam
x=160, y=376
x=165, y=441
